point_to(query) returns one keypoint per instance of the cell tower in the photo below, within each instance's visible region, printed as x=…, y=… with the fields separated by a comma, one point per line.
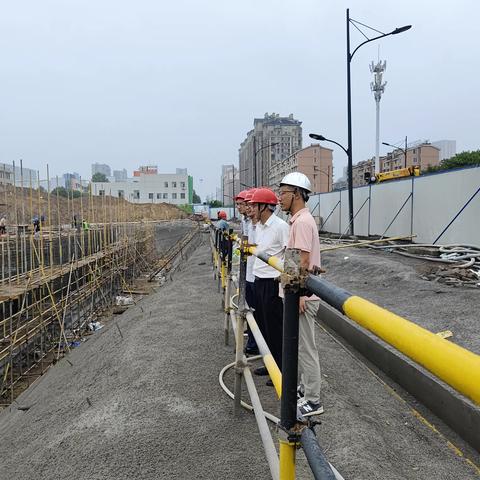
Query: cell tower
x=377, y=88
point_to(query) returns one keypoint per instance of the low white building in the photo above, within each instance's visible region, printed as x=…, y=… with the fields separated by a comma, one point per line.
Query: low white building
x=175, y=188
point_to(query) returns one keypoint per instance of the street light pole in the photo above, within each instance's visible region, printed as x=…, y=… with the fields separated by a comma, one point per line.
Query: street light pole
x=349, y=108
x=255, y=183
x=349, y=130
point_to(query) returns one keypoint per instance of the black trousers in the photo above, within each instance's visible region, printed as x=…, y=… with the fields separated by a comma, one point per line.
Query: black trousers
x=251, y=300
x=269, y=313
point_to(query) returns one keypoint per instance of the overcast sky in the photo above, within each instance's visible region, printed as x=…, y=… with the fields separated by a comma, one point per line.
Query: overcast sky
x=178, y=83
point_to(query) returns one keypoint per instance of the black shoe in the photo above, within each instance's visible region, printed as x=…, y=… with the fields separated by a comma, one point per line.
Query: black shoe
x=308, y=409
x=261, y=371
x=269, y=383
x=251, y=351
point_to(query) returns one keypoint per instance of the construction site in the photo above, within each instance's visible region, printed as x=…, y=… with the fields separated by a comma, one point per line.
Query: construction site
x=119, y=332
x=63, y=262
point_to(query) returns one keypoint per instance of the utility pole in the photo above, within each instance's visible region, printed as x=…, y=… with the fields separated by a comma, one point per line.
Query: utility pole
x=254, y=162
x=377, y=88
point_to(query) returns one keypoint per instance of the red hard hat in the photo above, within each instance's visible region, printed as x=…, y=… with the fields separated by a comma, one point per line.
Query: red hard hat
x=241, y=195
x=222, y=214
x=249, y=195
x=264, y=195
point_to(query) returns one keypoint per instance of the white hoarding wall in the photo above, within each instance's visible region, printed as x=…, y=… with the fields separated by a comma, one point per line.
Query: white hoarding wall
x=423, y=206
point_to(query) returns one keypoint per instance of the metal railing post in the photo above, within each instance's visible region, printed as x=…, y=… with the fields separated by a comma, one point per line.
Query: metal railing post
x=340, y=214
x=228, y=286
x=288, y=409
x=239, y=364
x=369, y=207
x=411, y=207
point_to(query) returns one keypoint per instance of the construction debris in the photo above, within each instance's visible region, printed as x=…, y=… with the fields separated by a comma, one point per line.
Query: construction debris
x=450, y=275
x=120, y=300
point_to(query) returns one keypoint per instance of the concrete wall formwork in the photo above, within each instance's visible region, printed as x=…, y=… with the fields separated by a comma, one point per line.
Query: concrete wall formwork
x=423, y=206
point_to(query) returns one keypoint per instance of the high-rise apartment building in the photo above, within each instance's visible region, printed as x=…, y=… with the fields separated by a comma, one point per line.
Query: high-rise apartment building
x=229, y=184
x=272, y=139
x=448, y=148
x=120, y=175
x=314, y=161
x=101, y=168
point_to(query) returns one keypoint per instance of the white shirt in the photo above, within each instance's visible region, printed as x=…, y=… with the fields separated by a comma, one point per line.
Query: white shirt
x=271, y=238
x=251, y=232
x=244, y=225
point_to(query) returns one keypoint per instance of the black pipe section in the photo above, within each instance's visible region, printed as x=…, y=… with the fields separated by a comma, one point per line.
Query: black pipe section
x=229, y=251
x=328, y=292
x=242, y=275
x=288, y=408
x=316, y=459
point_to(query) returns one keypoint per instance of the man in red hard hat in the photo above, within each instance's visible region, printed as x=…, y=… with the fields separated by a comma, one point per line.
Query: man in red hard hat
x=241, y=207
x=271, y=239
x=222, y=220
x=251, y=347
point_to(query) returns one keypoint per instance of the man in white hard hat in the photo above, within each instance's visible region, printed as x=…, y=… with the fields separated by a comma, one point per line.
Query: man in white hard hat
x=294, y=190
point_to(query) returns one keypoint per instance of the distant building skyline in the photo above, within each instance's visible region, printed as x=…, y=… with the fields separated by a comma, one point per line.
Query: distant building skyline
x=272, y=139
x=148, y=186
x=315, y=161
x=229, y=184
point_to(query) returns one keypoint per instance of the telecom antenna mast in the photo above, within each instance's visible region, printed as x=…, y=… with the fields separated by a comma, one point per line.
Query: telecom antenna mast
x=377, y=88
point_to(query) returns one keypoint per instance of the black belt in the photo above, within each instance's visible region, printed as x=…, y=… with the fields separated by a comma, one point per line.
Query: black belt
x=260, y=279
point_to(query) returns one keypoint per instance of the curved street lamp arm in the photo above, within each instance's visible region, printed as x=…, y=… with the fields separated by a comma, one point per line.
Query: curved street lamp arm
x=369, y=40
x=266, y=146
x=336, y=143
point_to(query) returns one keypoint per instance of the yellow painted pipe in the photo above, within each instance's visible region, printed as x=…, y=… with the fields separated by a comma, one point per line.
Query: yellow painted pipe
x=273, y=261
x=223, y=274
x=274, y=373
x=268, y=360
x=287, y=460
x=453, y=364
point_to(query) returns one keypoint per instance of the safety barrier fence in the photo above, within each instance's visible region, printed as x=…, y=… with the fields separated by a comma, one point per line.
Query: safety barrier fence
x=452, y=364
x=294, y=430
x=441, y=207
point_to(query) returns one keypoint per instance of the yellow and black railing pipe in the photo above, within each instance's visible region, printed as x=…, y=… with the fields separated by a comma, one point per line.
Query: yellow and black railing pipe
x=456, y=366
x=289, y=438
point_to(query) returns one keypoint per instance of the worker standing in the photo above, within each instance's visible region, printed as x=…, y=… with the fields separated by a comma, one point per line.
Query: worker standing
x=3, y=225
x=222, y=223
x=241, y=207
x=251, y=225
x=271, y=239
x=294, y=190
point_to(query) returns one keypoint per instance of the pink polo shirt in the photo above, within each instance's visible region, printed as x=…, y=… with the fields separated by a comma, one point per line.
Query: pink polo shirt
x=304, y=236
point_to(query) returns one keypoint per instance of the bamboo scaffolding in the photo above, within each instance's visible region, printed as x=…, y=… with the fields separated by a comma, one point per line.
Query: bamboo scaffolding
x=49, y=290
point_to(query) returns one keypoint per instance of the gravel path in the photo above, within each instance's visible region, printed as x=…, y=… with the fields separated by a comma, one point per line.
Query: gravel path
x=146, y=404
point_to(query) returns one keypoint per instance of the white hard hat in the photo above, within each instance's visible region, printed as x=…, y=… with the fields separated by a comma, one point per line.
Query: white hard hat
x=297, y=179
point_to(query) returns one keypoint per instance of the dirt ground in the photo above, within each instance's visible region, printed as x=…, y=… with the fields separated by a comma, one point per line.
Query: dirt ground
x=141, y=399
x=394, y=282
x=22, y=205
